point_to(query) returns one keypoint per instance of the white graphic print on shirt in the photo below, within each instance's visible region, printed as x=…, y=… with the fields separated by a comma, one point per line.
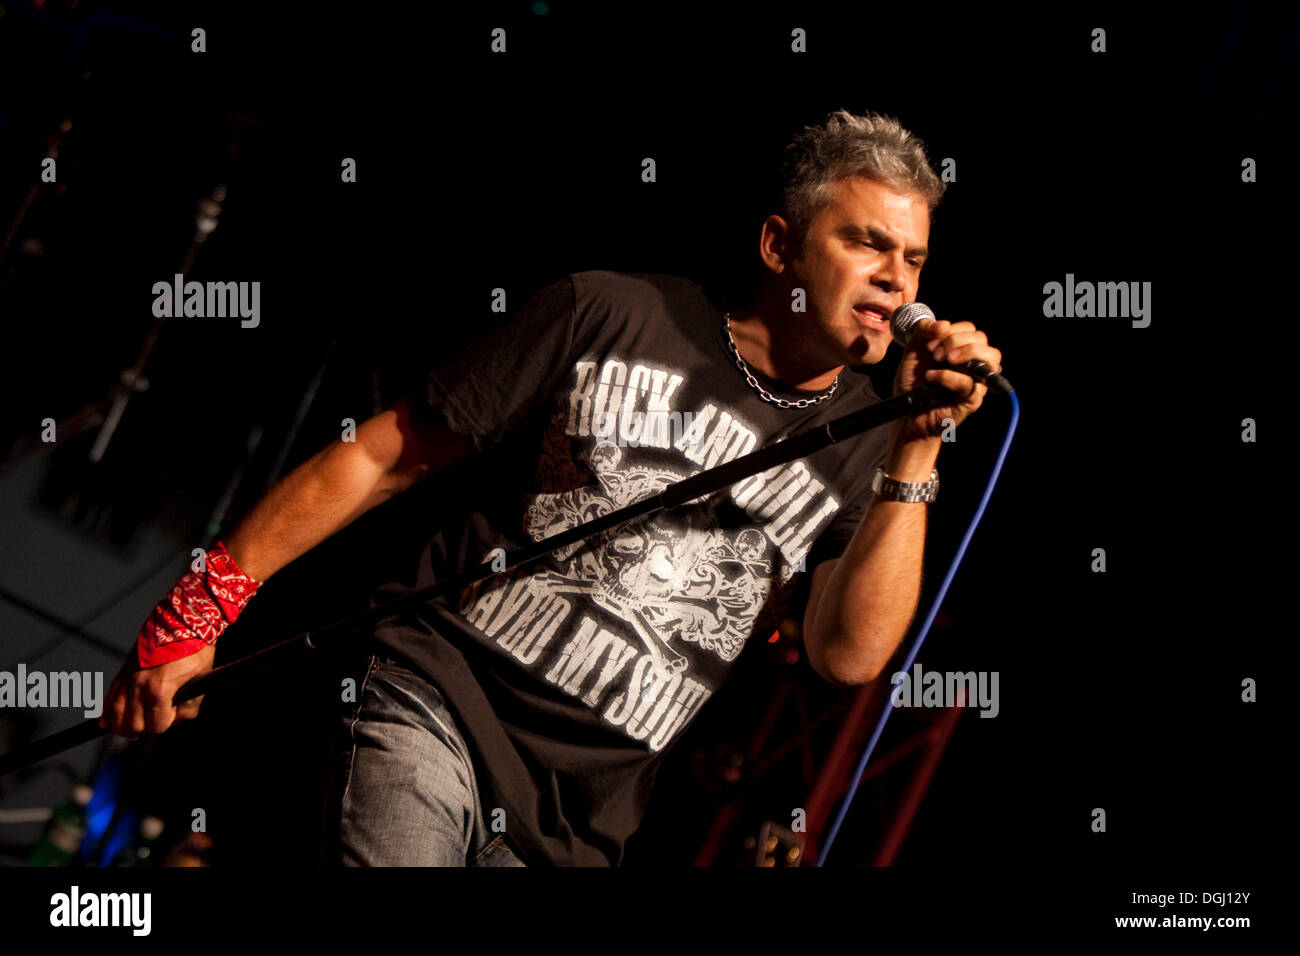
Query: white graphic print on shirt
x=665, y=602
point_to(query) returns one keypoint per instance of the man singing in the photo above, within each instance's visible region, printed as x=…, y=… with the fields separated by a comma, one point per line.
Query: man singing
x=523, y=722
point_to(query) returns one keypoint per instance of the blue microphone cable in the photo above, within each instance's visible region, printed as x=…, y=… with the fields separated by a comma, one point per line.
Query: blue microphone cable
x=925, y=629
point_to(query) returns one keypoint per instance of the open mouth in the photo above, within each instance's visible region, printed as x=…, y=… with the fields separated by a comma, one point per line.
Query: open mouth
x=870, y=317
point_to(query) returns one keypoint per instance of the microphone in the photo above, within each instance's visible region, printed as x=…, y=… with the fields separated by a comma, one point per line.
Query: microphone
x=904, y=323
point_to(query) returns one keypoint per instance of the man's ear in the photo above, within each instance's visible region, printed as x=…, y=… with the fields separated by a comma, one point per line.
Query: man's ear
x=773, y=244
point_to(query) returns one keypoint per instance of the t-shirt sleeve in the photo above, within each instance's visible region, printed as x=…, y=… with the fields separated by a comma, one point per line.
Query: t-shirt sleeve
x=508, y=370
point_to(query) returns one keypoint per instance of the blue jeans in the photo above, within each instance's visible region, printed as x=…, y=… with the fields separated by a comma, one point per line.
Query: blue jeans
x=409, y=797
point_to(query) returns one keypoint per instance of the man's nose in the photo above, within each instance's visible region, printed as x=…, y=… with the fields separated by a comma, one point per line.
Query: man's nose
x=890, y=274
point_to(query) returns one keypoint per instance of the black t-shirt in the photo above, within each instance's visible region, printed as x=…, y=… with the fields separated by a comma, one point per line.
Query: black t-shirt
x=570, y=676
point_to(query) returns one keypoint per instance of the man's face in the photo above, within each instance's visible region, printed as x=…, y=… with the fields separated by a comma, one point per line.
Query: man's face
x=864, y=251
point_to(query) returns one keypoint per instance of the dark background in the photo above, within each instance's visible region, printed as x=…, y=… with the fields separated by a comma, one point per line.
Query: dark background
x=1118, y=690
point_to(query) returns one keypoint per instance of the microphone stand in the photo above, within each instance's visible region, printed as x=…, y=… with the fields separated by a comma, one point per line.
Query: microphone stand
x=922, y=398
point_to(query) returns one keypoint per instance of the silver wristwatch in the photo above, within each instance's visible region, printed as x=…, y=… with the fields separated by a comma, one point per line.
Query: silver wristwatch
x=894, y=490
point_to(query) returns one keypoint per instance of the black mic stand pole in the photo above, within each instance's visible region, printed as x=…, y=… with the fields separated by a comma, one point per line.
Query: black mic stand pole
x=922, y=398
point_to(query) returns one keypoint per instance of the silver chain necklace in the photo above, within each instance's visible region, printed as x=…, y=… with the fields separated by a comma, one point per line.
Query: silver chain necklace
x=763, y=393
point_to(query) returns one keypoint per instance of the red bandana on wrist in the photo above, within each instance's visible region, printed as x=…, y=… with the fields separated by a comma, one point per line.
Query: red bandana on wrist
x=198, y=609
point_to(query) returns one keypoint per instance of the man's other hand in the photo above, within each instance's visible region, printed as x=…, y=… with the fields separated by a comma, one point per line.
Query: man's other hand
x=140, y=699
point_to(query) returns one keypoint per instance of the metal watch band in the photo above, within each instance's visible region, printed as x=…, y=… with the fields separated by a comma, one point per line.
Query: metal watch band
x=894, y=490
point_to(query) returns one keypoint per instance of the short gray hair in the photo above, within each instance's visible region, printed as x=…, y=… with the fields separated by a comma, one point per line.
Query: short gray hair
x=874, y=146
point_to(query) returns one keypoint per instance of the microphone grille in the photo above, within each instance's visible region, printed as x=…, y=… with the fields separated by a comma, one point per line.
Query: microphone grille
x=905, y=319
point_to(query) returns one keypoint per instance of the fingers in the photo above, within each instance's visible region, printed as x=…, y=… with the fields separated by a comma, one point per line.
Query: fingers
x=106, y=717
x=954, y=339
x=151, y=711
x=143, y=704
x=976, y=349
x=189, y=709
x=966, y=348
x=955, y=342
x=134, y=707
x=116, y=711
x=130, y=716
x=117, y=704
x=158, y=715
x=135, y=722
x=941, y=328
x=970, y=391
